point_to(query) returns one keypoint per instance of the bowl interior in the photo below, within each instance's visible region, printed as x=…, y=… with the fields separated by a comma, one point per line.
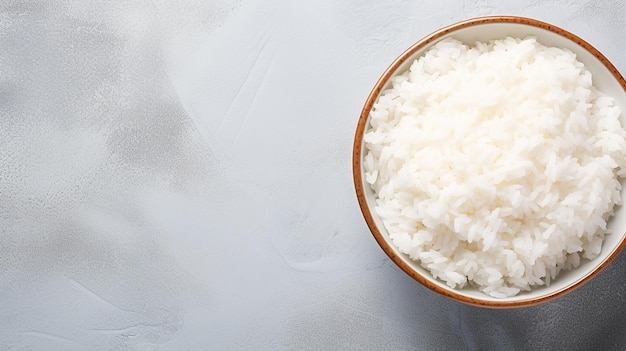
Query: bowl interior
x=605, y=78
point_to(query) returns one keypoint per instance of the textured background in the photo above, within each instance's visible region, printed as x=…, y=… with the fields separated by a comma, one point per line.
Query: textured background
x=176, y=176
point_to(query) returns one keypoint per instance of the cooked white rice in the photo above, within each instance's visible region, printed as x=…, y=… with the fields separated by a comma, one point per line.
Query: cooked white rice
x=495, y=165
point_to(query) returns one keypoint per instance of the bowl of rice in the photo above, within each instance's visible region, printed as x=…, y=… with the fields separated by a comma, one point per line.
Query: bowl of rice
x=489, y=161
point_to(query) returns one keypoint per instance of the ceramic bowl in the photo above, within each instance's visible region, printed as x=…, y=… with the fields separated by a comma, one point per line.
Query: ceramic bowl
x=605, y=77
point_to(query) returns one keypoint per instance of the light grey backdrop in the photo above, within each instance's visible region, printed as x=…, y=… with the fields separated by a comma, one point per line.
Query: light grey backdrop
x=175, y=175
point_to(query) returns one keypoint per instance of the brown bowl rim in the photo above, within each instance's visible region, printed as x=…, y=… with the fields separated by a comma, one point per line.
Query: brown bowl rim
x=358, y=178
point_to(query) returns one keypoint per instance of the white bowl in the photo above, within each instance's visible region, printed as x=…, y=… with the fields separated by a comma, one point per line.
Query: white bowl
x=605, y=77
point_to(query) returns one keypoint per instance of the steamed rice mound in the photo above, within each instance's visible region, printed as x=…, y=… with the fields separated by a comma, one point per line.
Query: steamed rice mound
x=495, y=165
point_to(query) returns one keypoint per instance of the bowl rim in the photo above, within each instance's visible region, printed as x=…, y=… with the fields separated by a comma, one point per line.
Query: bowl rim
x=357, y=165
